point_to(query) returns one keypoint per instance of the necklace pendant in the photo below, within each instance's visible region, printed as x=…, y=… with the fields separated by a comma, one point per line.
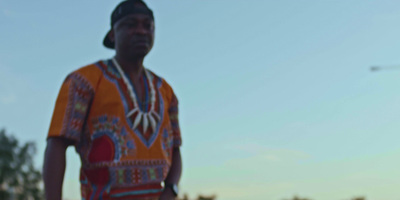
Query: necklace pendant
x=137, y=120
x=151, y=117
x=132, y=112
x=145, y=123
x=152, y=122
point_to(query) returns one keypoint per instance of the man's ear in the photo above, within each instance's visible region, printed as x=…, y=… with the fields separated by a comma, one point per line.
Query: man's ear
x=111, y=36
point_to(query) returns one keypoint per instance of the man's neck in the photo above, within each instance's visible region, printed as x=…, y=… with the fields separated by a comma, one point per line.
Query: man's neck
x=132, y=67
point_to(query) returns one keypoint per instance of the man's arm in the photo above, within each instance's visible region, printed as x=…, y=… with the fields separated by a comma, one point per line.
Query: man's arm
x=174, y=174
x=176, y=168
x=54, y=167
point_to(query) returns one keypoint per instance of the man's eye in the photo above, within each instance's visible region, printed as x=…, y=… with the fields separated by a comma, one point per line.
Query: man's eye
x=131, y=24
x=147, y=26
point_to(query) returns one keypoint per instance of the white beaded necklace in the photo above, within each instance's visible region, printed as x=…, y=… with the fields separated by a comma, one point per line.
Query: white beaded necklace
x=145, y=117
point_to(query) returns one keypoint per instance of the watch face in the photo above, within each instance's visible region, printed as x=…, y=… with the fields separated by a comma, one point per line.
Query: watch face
x=175, y=189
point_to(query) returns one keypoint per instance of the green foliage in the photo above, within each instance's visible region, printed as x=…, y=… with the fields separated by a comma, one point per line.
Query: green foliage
x=213, y=197
x=206, y=198
x=298, y=198
x=359, y=198
x=200, y=197
x=18, y=177
x=185, y=197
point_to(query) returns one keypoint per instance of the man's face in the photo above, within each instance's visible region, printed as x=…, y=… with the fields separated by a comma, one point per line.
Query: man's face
x=134, y=35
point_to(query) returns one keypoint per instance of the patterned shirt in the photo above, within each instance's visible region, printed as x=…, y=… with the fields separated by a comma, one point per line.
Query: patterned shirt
x=118, y=162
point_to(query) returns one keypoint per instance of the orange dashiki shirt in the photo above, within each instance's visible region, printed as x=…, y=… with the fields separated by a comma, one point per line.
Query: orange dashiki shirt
x=118, y=161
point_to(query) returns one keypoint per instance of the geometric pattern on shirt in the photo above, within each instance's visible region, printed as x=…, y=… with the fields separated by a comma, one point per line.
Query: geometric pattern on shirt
x=167, y=142
x=173, y=117
x=110, y=73
x=136, y=175
x=109, y=128
x=80, y=95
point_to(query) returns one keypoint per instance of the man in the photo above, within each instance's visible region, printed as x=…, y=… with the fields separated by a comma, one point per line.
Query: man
x=121, y=118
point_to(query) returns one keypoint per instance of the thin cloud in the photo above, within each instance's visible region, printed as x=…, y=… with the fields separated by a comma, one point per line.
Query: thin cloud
x=8, y=99
x=274, y=156
x=263, y=156
x=11, y=85
x=250, y=190
x=256, y=150
x=8, y=13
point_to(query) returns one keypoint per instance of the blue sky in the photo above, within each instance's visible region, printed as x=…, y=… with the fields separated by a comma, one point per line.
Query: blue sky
x=276, y=97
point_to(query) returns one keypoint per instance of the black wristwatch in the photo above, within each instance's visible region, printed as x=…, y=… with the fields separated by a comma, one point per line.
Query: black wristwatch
x=174, y=188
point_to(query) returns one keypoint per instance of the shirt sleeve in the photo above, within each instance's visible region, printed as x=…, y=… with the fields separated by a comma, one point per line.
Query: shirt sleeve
x=71, y=108
x=173, y=116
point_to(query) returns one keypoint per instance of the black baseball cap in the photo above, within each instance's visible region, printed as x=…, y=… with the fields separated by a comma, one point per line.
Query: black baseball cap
x=123, y=9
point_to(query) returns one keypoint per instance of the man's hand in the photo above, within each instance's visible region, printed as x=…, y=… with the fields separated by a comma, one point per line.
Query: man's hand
x=173, y=176
x=167, y=194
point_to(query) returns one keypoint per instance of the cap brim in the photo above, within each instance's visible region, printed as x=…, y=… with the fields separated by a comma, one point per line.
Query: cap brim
x=107, y=42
